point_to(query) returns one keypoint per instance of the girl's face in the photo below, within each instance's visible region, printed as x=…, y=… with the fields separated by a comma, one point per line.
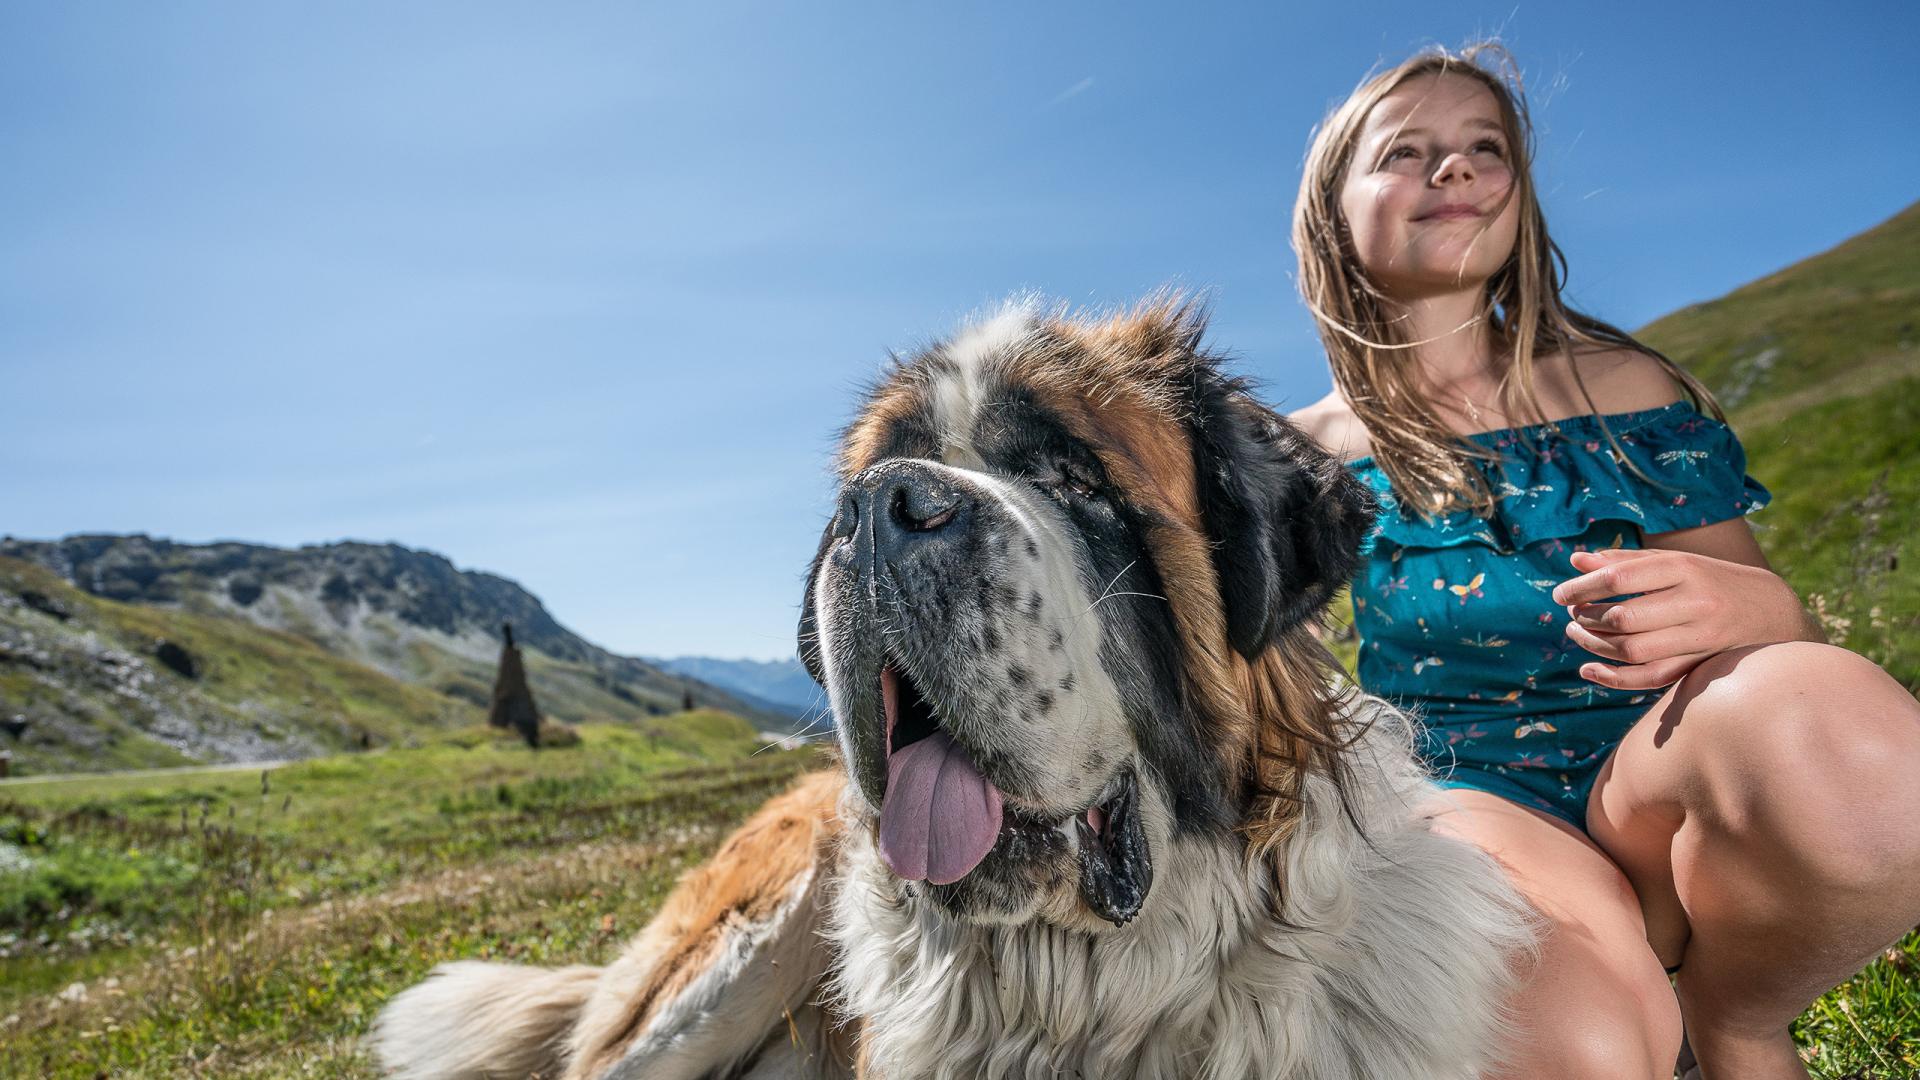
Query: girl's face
x=1425, y=195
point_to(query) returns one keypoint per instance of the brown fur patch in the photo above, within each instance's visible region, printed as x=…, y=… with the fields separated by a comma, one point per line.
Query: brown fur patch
x=746, y=881
x=896, y=399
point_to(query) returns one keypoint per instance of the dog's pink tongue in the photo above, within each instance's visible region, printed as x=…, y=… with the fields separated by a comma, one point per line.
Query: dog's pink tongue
x=940, y=817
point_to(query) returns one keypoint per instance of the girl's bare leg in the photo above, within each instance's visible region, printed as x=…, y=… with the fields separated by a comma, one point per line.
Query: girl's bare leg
x=1596, y=1004
x=1767, y=813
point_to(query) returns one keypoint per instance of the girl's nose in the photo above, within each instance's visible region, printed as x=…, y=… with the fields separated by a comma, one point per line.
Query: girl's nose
x=1457, y=167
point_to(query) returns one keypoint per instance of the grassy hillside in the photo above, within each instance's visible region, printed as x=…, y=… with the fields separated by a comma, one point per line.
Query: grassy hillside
x=1842, y=323
x=84, y=675
x=229, y=925
x=1818, y=366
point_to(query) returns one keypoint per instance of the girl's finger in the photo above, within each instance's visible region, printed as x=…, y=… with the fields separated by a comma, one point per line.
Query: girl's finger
x=1644, y=648
x=1594, y=559
x=1641, y=676
x=1619, y=577
x=1644, y=613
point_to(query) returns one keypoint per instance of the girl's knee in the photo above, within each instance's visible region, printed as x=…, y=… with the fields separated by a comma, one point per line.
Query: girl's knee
x=1591, y=1009
x=1623, y=1037
x=1795, y=718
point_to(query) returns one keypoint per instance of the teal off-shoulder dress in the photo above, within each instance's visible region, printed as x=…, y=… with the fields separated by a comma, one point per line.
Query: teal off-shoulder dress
x=1454, y=614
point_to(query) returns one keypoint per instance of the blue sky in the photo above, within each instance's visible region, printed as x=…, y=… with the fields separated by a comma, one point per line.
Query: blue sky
x=578, y=293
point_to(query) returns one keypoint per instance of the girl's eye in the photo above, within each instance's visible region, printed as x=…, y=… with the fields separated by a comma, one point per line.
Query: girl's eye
x=1399, y=153
x=1490, y=146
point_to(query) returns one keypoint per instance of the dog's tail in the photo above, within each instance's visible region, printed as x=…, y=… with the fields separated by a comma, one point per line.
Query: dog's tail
x=474, y=1021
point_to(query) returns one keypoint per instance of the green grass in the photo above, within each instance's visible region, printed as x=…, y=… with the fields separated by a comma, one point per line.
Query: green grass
x=221, y=931
x=225, y=930
x=1870, y=1025
x=1846, y=507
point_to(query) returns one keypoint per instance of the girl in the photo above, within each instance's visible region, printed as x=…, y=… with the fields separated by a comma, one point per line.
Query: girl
x=1687, y=782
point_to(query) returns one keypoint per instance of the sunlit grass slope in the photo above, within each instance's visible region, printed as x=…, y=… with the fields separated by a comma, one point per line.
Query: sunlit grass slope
x=229, y=925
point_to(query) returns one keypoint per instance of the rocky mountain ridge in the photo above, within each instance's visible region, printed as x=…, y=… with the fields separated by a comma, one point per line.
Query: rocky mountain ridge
x=407, y=613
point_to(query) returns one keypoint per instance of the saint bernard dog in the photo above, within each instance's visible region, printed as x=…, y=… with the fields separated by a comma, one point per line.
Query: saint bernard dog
x=1105, y=806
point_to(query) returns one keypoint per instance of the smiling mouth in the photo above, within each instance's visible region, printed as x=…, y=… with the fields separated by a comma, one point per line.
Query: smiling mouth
x=940, y=816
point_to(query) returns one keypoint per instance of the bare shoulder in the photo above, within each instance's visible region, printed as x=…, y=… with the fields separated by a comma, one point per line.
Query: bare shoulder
x=1626, y=380
x=1332, y=424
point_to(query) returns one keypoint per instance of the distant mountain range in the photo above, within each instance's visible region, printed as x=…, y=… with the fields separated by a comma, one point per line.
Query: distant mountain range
x=89, y=623
x=783, y=685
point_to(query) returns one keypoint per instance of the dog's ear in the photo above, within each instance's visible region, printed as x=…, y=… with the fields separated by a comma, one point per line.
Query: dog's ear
x=1285, y=518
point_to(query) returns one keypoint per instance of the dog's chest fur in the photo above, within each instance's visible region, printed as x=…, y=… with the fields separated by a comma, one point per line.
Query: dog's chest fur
x=1385, y=971
x=1036, y=1000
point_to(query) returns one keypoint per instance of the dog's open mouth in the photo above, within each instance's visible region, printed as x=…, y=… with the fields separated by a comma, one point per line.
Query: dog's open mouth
x=941, y=816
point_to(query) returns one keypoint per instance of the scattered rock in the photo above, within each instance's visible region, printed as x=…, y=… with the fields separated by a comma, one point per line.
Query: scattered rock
x=1748, y=372
x=178, y=659
x=243, y=591
x=336, y=590
x=44, y=604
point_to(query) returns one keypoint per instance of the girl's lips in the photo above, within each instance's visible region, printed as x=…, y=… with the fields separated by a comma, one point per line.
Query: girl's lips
x=1450, y=212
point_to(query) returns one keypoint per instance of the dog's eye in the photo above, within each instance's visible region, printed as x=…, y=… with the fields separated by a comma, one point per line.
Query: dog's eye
x=1078, y=482
x=1066, y=478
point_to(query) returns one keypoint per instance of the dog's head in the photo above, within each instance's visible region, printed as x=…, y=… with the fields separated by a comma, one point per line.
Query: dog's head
x=1061, y=612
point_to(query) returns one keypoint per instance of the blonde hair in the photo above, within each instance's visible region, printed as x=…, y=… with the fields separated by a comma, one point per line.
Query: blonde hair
x=1522, y=306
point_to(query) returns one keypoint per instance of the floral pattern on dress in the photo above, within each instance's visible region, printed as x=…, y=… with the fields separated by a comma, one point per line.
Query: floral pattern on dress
x=1482, y=654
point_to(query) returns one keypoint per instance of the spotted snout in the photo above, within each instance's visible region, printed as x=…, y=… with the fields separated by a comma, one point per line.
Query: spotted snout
x=971, y=591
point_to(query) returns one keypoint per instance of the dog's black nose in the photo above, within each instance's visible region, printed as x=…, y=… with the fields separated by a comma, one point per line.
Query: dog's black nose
x=907, y=506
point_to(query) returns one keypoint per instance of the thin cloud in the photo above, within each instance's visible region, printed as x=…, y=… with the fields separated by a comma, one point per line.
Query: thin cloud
x=1075, y=90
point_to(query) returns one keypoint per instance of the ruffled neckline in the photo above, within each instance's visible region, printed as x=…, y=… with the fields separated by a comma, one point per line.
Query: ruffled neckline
x=1616, y=422
x=1573, y=478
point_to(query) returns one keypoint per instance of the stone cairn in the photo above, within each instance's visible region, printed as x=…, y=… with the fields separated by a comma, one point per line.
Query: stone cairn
x=513, y=706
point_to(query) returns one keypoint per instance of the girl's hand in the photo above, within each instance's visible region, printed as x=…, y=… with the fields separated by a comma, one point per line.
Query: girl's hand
x=1689, y=608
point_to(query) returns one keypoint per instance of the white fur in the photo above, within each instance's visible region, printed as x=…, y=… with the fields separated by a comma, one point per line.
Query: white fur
x=473, y=1021
x=958, y=397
